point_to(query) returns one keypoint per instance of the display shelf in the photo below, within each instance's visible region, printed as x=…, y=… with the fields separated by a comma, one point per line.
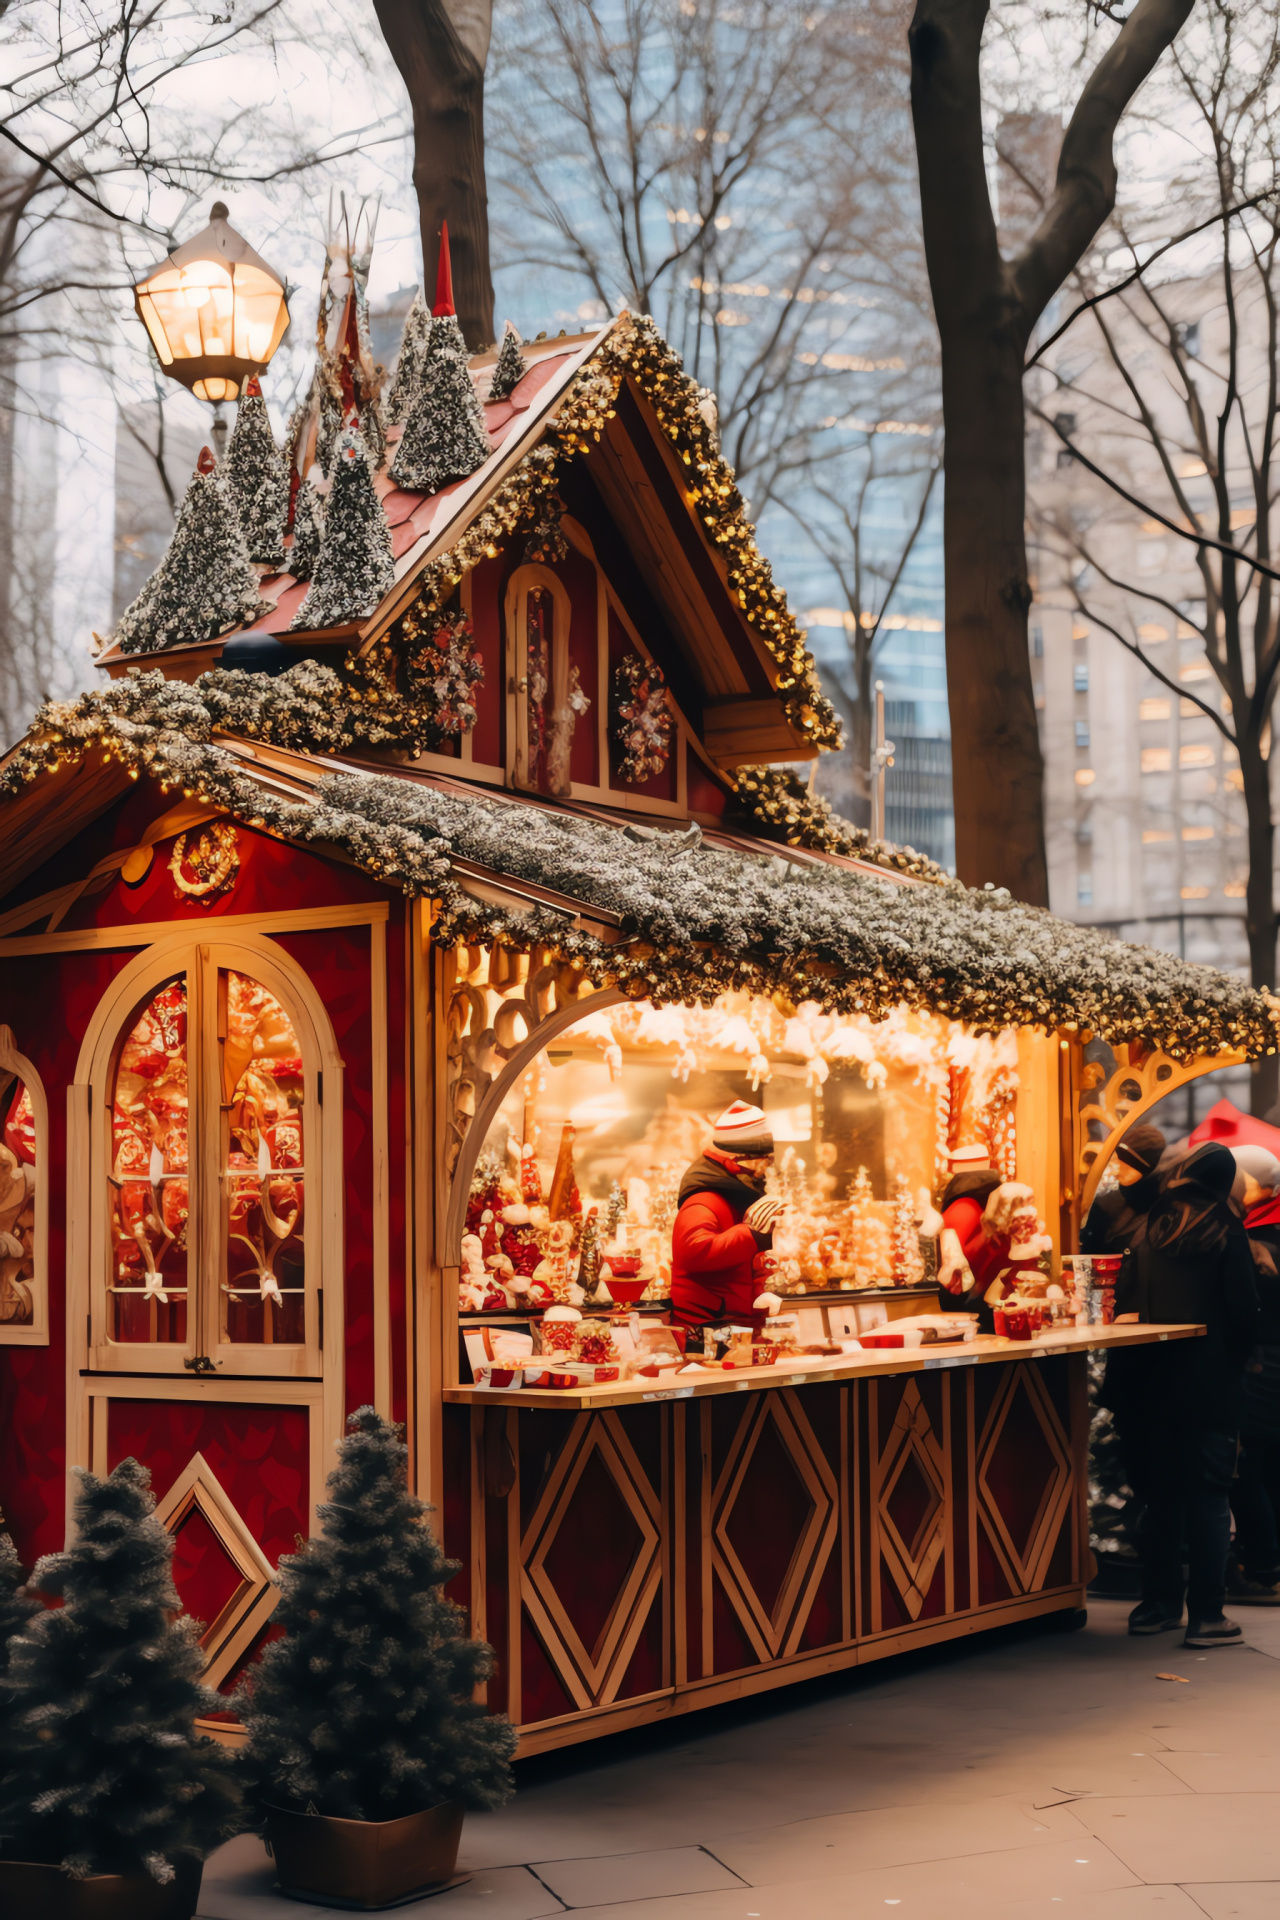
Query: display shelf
x=843, y=1296
x=983, y=1350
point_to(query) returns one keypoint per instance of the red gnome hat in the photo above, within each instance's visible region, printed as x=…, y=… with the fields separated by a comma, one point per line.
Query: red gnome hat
x=253, y=390
x=444, y=306
x=205, y=462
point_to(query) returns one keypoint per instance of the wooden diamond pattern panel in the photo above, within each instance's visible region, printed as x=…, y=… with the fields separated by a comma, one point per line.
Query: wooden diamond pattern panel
x=911, y=1501
x=774, y=1447
x=1023, y=1478
x=589, y=1609
x=219, y=1567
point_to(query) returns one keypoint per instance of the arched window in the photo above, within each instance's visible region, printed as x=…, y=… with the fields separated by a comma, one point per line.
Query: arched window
x=548, y=697
x=24, y=1200
x=206, y=1149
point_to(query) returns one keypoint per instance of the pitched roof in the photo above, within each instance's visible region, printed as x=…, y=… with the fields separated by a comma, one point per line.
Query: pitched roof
x=657, y=443
x=670, y=915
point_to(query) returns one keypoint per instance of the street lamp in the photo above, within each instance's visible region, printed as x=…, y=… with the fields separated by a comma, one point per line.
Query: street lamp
x=215, y=311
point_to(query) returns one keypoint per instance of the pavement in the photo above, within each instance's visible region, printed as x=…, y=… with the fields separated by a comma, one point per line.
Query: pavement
x=1022, y=1775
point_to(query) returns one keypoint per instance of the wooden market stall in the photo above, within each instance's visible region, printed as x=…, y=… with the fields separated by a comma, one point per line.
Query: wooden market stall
x=308, y=930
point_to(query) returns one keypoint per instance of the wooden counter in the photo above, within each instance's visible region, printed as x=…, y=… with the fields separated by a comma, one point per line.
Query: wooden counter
x=985, y=1350
x=634, y=1552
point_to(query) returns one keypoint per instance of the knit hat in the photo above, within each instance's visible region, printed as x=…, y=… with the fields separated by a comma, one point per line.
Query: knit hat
x=743, y=1129
x=1141, y=1148
x=961, y=1158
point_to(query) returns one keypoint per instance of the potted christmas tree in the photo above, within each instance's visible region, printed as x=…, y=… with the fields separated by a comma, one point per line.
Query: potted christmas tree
x=109, y=1801
x=366, y=1740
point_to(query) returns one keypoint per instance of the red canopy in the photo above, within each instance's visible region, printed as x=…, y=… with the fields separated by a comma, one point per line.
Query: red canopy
x=1227, y=1124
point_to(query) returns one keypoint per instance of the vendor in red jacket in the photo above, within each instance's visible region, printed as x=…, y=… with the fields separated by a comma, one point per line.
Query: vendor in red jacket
x=724, y=1224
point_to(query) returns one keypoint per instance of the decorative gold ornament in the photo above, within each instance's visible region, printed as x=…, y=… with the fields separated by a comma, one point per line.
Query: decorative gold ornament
x=212, y=863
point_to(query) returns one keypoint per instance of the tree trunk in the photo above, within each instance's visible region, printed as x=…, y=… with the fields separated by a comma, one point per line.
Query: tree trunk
x=986, y=308
x=997, y=768
x=1260, y=913
x=444, y=74
x=995, y=741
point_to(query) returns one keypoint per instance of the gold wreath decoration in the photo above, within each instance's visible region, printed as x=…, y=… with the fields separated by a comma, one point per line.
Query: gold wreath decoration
x=215, y=860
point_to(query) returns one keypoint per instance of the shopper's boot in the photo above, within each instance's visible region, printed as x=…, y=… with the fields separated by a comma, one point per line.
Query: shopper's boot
x=1155, y=1616
x=1253, y=1587
x=1213, y=1633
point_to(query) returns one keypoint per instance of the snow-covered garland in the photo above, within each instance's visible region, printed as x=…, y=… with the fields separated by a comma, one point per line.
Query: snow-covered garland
x=782, y=807
x=696, y=921
x=636, y=350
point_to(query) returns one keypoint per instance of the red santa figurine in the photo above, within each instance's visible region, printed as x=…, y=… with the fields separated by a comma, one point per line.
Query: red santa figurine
x=724, y=1223
x=973, y=1244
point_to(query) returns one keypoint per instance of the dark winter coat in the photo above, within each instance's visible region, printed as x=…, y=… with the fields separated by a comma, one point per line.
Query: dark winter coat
x=1194, y=1264
x=1118, y=1219
x=712, y=1249
x=1261, y=1418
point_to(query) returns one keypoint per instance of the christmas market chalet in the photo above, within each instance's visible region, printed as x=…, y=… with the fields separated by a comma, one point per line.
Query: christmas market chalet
x=379, y=944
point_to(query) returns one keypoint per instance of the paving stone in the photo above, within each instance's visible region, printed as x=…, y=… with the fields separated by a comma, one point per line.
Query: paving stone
x=239, y=1884
x=601, y=1880
x=1245, y=1900
x=1198, y=1836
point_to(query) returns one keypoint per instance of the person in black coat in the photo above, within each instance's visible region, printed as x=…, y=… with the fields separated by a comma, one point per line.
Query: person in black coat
x=1118, y=1218
x=1177, y=1405
x=1253, y=1569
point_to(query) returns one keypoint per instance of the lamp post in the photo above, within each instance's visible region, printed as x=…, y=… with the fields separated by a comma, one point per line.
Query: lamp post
x=214, y=309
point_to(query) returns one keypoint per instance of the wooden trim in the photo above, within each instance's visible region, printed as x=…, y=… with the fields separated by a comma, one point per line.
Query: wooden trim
x=680, y=1549
x=225, y=1639
x=35, y=1333
x=148, y=933
x=550, y=1735
x=380, y=1046
x=515, y=1577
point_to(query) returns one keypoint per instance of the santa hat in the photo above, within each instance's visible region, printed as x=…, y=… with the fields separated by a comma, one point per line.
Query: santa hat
x=959, y=1159
x=743, y=1129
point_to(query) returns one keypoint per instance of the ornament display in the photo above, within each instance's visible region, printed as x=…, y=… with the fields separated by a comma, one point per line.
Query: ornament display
x=642, y=720
x=256, y=479
x=354, y=569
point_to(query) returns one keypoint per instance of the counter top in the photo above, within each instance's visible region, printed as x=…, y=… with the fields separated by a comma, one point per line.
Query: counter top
x=985, y=1350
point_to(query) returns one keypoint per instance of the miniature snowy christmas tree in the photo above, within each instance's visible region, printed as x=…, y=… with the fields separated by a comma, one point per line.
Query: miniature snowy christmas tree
x=101, y=1769
x=308, y=532
x=354, y=569
x=17, y=1606
x=908, y=1263
x=366, y=1708
x=510, y=367
x=205, y=583
x=444, y=437
x=866, y=1238
x=256, y=479
x=413, y=357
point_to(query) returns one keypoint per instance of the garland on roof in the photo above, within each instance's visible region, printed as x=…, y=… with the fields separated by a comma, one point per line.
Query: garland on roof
x=696, y=920
x=634, y=349
x=781, y=807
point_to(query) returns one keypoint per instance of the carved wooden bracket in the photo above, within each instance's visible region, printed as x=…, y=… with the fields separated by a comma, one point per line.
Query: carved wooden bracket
x=503, y=1008
x=1139, y=1079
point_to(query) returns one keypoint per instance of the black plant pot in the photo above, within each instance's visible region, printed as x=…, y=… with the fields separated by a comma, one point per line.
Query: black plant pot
x=364, y=1864
x=30, y=1890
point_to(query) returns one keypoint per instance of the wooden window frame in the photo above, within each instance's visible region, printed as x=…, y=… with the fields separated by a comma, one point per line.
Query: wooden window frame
x=90, y=1155
x=36, y=1333
x=521, y=584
